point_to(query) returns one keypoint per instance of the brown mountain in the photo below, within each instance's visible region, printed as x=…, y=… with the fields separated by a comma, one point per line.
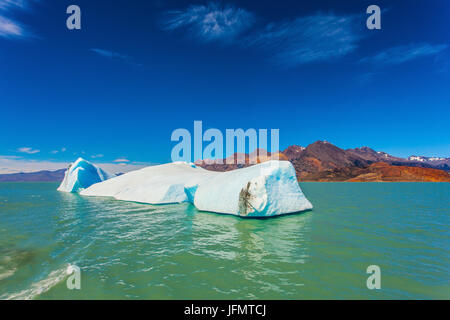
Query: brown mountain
x=412, y=161
x=293, y=152
x=371, y=155
x=322, y=155
x=381, y=171
x=323, y=161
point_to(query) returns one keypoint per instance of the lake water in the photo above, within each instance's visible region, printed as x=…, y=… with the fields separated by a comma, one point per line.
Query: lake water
x=135, y=251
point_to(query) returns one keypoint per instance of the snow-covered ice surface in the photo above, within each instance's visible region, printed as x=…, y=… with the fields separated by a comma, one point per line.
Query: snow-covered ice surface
x=82, y=174
x=262, y=190
x=160, y=184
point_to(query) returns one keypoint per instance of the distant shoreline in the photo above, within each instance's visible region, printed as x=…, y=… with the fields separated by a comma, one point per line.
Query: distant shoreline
x=320, y=161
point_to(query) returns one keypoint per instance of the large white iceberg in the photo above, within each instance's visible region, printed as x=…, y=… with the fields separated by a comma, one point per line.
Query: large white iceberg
x=82, y=174
x=263, y=190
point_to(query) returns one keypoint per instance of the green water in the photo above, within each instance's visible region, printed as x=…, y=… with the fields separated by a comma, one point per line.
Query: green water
x=135, y=251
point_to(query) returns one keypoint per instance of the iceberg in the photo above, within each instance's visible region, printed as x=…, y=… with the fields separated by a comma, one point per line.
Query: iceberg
x=82, y=174
x=263, y=190
x=267, y=189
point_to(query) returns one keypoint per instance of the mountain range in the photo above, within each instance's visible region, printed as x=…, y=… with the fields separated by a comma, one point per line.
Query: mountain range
x=323, y=161
x=319, y=161
x=41, y=176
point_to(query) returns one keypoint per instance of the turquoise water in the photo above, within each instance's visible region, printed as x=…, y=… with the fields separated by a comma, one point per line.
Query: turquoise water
x=136, y=251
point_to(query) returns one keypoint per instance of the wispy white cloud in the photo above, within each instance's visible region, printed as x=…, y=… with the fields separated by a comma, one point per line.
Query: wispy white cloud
x=402, y=54
x=16, y=4
x=115, y=56
x=121, y=160
x=320, y=37
x=28, y=150
x=10, y=164
x=95, y=156
x=58, y=151
x=9, y=27
x=211, y=22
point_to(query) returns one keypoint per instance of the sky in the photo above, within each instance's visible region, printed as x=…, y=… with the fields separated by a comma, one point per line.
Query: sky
x=115, y=90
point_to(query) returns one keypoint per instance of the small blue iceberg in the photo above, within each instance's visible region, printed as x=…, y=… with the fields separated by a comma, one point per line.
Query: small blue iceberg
x=82, y=174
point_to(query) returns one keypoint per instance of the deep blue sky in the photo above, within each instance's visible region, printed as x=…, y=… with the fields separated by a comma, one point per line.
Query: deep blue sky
x=137, y=70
